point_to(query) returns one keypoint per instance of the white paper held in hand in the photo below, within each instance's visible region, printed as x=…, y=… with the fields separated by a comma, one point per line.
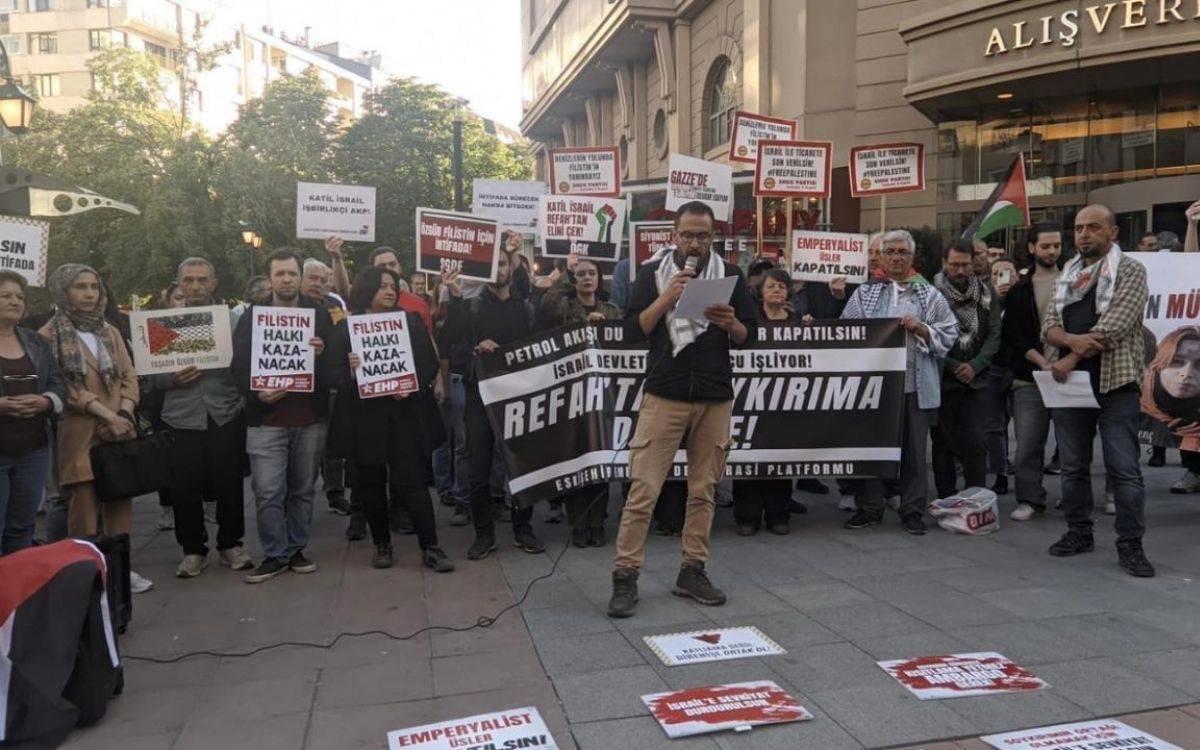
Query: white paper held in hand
x=700, y=294
x=1076, y=393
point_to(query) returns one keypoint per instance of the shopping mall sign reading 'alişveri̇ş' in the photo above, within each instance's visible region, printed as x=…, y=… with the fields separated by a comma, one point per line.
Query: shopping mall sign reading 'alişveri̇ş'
x=1064, y=28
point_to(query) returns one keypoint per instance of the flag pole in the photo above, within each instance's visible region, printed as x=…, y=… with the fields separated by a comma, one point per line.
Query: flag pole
x=758, y=225
x=883, y=213
x=787, y=235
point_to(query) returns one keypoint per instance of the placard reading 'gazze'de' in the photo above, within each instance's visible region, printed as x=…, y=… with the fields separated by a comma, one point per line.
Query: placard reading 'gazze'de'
x=346, y=211
x=647, y=239
x=384, y=348
x=887, y=168
x=590, y=227
x=449, y=241
x=167, y=341
x=741, y=705
x=513, y=203
x=824, y=256
x=590, y=170
x=691, y=179
x=281, y=357
x=24, y=244
x=514, y=728
x=793, y=168
x=749, y=129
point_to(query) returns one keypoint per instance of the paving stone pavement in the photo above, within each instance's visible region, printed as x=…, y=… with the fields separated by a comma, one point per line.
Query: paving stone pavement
x=837, y=601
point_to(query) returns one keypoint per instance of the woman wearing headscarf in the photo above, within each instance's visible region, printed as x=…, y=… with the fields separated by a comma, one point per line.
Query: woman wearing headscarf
x=1171, y=394
x=102, y=392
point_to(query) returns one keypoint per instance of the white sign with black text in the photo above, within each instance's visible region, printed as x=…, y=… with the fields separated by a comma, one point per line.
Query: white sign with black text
x=825, y=256
x=23, y=247
x=691, y=179
x=346, y=211
x=513, y=203
x=1098, y=734
x=384, y=348
x=281, y=357
x=718, y=644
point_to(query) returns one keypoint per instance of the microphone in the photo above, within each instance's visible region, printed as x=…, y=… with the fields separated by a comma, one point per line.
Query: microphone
x=691, y=263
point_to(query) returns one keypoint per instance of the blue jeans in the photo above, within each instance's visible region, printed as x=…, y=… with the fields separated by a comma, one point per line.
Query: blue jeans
x=283, y=474
x=22, y=479
x=451, y=469
x=1031, y=419
x=1075, y=429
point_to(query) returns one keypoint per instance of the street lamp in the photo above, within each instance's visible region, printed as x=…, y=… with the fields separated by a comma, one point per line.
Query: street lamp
x=16, y=105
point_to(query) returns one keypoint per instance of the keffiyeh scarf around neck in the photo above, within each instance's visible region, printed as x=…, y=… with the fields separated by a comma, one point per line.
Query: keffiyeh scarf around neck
x=682, y=330
x=965, y=304
x=911, y=277
x=67, y=324
x=1077, y=279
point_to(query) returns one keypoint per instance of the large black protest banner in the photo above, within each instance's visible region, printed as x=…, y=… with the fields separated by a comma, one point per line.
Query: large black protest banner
x=820, y=400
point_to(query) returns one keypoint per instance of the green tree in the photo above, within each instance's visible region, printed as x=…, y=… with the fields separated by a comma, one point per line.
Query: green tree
x=403, y=147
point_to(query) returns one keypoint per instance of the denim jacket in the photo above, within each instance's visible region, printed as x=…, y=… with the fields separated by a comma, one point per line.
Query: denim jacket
x=50, y=382
x=874, y=300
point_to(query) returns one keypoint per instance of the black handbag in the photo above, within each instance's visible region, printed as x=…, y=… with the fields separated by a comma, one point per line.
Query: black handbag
x=129, y=468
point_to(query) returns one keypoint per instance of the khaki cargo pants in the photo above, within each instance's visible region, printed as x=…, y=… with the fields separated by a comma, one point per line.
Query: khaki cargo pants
x=662, y=424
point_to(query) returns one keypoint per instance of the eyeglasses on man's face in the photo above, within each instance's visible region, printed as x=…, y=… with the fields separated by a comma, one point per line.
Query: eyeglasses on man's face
x=690, y=237
x=892, y=252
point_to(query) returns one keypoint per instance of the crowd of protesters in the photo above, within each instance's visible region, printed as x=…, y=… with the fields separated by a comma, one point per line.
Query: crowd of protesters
x=976, y=333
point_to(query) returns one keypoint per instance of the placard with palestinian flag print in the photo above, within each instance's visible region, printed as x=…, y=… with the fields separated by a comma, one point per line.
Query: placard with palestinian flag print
x=167, y=341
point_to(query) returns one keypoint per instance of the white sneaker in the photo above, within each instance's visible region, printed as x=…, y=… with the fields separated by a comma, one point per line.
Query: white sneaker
x=236, y=558
x=166, y=519
x=1025, y=511
x=848, y=503
x=191, y=566
x=210, y=511
x=1187, y=484
x=138, y=584
x=1110, y=505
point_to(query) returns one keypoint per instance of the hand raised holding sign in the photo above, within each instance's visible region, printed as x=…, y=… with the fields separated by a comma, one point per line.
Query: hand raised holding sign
x=451, y=284
x=333, y=246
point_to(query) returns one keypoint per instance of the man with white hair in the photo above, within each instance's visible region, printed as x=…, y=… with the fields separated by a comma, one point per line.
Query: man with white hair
x=316, y=283
x=931, y=329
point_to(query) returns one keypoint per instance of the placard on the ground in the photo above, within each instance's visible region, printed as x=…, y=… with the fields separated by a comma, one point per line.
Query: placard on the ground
x=281, y=357
x=718, y=644
x=453, y=241
x=167, y=341
x=24, y=244
x=1098, y=734
x=961, y=675
x=740, y=705
x=515, y=728
x=346, y=211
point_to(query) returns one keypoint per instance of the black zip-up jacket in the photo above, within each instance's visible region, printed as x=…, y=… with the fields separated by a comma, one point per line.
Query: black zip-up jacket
x=702, y=371
x=326, y=371
x=1021, y=330
x=485, y=317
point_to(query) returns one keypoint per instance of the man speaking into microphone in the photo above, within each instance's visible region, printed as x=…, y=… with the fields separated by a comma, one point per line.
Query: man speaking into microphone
x=687, y=397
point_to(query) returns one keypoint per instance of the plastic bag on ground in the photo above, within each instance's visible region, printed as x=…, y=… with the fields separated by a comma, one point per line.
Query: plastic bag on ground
x=972, y=511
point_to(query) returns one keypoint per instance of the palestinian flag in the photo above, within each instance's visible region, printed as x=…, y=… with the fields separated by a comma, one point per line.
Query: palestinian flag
x=1007, y=206
x=181, y=334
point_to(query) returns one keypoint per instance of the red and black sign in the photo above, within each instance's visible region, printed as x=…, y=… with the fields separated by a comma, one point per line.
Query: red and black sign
x=451, y=241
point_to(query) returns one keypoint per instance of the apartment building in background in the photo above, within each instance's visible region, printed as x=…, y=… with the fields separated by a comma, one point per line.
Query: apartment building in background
x=49, y=43
x=1102, y=99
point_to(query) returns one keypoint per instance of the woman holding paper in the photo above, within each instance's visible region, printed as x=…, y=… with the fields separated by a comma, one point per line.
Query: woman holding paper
x=102, y=392
x=32, y=392
x=390, y=439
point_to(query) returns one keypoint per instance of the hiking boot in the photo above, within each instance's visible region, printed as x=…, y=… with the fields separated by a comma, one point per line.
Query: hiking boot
x=1025, y=511
x=339, y=505
x=191, y=566
x=383, y=556
x=525, y=540
x=357, y=528
x=913, y=524
x=435, y=559
x=1072, y=543
x=1131, y=557
x=482, y=546
x=301, y=564
x=747, y=529
x=598, y=537
x=581, y=537
x=460, y=517
x=861, y=520
x=624, y=593
x=693, y=583
x=780, y=528
x=266, y=570
x=235, y=558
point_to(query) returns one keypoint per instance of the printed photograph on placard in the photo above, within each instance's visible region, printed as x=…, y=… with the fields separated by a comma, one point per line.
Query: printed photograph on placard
x=167, y=341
